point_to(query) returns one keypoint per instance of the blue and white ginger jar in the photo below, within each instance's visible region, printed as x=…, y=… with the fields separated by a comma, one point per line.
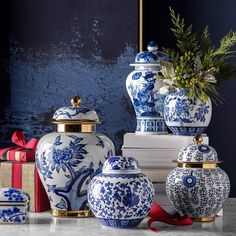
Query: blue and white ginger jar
x=185, y=115
x=143, y=88
x=198, y=187
x=68, y=159
x=14, y=205
x=121, y=195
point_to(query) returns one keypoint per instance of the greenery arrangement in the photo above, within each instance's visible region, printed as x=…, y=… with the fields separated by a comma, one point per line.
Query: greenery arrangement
x=198, y=62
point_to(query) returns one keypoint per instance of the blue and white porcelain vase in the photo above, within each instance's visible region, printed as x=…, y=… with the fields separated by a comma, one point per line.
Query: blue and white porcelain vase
x=68, y=159
x=121, y=195
x=185, y=115
x=198, y=187
x=143, y=88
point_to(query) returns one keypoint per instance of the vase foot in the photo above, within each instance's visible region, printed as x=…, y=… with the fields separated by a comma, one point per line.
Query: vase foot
x=116, y=223
x=151, y=125
x=75, y=214
x=187, y=131
x=204, y=219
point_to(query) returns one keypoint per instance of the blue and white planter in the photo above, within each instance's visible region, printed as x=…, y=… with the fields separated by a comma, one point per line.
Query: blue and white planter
x=185, y=115
x=67, y=161
x=143, y=88
x=121, y=195
x=14, y=206
x=198, y=187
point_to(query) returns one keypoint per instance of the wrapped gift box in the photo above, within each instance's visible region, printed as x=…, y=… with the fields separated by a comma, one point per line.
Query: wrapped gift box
x=24, y=151
x=24, y=175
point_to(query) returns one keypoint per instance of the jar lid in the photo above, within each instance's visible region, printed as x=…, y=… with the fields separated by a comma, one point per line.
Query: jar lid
x=75, y=114
x=152, y=56
x=13, y=195
x=119, y=164
x=198, y=152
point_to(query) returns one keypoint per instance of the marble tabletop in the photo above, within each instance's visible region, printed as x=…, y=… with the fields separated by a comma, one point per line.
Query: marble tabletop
x=42, y=224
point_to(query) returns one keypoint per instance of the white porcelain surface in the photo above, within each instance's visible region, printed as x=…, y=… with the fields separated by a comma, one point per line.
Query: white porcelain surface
x=67, y=162
x=43, y=224
x=71, y=113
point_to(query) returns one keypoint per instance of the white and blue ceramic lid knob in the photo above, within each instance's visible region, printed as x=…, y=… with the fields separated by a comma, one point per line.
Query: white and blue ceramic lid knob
x=198, y=152
x=121, y=165
x=75, y=112
x=152, y=56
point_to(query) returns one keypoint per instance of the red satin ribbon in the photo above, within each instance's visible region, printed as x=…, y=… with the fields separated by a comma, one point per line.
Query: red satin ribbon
x=20, y=140
x=157, y=213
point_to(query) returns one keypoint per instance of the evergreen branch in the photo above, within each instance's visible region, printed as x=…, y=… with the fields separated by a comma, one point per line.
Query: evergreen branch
x=186, y=39
x=226, y=43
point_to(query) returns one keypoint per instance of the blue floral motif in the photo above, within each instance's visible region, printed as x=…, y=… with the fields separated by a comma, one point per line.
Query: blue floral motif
x=120, y=202
x=12, y=215
x=136, y=75
x=68, y=156
x=120, y=163
x=13, y=194
x=146, y=57
x=182, y=111
x=146, y=99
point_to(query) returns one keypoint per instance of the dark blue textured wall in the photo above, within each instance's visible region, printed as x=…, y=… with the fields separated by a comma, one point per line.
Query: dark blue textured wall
x=62, y=47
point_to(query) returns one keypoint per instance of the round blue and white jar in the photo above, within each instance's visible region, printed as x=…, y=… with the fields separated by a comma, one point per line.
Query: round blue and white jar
x=68, y=159
x=198, y=187
x=185, y=115
x=121, y=196
x=143, y=88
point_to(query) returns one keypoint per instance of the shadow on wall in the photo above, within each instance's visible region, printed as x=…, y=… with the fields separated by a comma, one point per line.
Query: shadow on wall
x=59, y=48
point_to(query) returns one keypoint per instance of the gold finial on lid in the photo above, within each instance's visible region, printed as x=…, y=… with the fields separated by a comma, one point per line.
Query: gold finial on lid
x=76, y=101
x=198, y=139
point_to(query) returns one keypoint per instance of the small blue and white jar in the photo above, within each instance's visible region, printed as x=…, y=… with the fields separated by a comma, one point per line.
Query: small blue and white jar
x=185, y=115
x=68, y=159
x=143, y=88
x=14, y=206
x=198, y=187
x=121, y=196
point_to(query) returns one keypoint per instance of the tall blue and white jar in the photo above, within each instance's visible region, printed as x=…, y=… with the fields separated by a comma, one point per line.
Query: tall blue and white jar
x=198, y=187
x=121, y=196
x=143, y=87
x=68, y=159
x=186, y=115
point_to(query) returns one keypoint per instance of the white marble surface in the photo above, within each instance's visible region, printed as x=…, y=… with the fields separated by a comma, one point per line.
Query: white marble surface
x=42, y=224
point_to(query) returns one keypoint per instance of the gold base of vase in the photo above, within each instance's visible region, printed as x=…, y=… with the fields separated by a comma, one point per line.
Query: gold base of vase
x=204, y=219
x=75, y=214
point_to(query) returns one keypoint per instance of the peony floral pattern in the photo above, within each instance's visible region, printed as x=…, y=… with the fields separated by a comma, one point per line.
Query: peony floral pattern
x=186, y=115
x=69, y=159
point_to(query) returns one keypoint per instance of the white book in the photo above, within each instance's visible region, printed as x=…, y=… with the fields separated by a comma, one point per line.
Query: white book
x=153, y=158
x=169, y=141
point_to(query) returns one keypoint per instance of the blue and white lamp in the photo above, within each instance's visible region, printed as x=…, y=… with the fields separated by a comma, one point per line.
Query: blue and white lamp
x=143, y=87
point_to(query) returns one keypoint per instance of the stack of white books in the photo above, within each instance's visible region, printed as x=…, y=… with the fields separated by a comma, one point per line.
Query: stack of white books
x=155, y=153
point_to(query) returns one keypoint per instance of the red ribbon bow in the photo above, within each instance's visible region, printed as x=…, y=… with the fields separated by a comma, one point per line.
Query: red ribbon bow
x=157, y=213
x=20, y=140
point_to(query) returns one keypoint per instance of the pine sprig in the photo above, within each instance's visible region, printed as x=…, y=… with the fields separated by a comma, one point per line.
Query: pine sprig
x=198, y=60
x=226, y=44
x=186, y=39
